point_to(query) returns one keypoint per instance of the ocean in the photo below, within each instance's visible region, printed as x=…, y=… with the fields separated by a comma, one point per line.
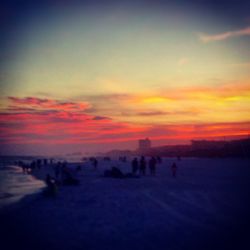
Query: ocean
x=14, y=184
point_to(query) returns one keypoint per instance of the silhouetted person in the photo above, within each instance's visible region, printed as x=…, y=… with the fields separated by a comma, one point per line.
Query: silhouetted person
x=28, y=169
x=57, y=169
x=33, y=165
x=135, y=166
x=51, y=186
x=174, y=169
x=142, y=166
x=21, y=164
x=63, y=169
x=24, y=168
x=64, y=164
x=159, y=160
x=95, y=163
x=38, y=163
x=114, y=173
x=67, y=176
x=48, y=180
x=152, y=165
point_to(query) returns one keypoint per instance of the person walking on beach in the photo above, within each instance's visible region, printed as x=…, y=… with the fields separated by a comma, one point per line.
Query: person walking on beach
x=57, y=169
x=174, y=169
x=142, y=166
x=21, y=164
x=159, y=160
x=152, y=165
x=134, y=166
x=38, y=163
x=51, y=186
x=95, y=163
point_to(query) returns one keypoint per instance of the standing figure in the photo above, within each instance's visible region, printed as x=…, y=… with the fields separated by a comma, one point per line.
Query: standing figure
x=23, y=167
x=57, y=169
x=134, y=166
x=51, y=186
x=39, y=162
x=159, y=160
x=142, y=166
x=174, y=169
x=152, y=165
x=95, y=163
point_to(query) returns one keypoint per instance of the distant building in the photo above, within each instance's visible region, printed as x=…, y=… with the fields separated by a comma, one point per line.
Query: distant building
x=144, y=144
x=205, y=144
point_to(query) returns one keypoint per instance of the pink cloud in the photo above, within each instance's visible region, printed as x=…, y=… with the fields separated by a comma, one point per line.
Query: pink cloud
x=224, y=35
x=34, y=102
x=39, y=124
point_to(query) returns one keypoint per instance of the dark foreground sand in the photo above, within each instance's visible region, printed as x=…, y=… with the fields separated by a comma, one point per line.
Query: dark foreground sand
x=205, y=207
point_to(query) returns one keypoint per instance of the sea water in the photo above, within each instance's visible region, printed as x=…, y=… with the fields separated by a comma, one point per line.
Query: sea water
x=14, y=184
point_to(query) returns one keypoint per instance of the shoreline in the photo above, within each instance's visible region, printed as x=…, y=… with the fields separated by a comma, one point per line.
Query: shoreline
x=26, y=199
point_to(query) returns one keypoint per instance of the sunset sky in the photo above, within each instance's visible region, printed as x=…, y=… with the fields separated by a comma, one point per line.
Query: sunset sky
x=91, y=76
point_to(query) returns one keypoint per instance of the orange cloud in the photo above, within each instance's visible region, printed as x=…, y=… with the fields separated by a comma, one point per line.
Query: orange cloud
x=47, y=122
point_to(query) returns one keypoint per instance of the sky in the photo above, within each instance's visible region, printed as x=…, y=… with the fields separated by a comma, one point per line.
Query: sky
x=91, y=76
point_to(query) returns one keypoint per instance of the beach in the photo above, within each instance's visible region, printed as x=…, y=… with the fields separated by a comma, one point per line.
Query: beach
x=205, y=207
x=88, y=85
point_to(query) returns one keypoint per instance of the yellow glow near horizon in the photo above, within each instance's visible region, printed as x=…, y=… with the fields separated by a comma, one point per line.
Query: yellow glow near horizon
x=156, y=99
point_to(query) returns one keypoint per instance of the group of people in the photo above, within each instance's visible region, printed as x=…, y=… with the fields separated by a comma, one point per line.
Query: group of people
x=65, y=176
x=140, y=165
x=35, y=164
